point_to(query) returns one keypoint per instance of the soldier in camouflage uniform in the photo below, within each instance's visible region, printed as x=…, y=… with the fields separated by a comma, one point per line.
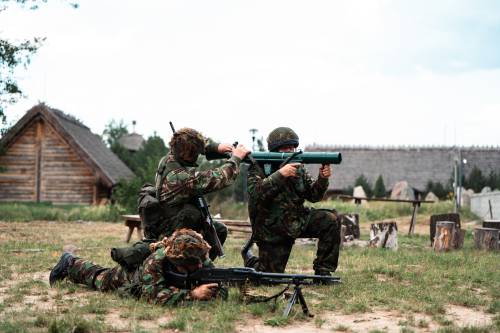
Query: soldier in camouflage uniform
x=278, y=216
x=180, y=183
x=183, y=252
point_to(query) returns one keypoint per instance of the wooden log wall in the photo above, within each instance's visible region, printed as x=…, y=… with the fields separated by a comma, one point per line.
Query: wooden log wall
x=17, y=183
x=41, y=166
x=65, y=177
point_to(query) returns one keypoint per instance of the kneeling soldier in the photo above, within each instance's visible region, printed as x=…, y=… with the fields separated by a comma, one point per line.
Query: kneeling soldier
x=184, y=251
x=278, y=215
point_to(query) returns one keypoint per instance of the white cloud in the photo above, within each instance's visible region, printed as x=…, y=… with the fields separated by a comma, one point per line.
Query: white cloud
x=331, y=70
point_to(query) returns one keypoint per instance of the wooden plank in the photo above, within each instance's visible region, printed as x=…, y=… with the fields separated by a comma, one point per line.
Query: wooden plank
x=132, y=217
x=239, y=229
x=18, y=183
x=66, y=178
x=38, y=165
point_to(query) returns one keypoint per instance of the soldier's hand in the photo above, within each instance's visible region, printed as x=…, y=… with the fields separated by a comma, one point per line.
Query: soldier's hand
x=240, y=151
x=205, y=291
x=224, y=148
x=289, y=170
x=325, y=171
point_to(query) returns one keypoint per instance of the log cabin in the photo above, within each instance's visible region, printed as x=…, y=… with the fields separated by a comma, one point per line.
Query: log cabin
x=50, y=156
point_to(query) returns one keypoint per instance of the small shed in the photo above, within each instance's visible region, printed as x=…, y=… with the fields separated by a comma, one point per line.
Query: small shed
x=132, y=142
x=52, y=156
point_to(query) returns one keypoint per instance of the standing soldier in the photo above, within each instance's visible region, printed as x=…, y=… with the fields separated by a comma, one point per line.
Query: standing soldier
x=183, y=252
x=180, y=185
x=278, y=216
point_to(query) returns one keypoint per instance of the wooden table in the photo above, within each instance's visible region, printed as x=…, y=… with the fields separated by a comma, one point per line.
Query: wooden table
x=132, y=222
x=415, y=203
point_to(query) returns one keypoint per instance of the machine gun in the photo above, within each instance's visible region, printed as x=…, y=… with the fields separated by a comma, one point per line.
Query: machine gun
x=243, y=275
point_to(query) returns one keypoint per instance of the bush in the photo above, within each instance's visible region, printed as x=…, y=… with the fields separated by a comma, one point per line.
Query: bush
x=379, y=190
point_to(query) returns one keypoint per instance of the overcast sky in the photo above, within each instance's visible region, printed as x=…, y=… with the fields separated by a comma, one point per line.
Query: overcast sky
x=338, y=72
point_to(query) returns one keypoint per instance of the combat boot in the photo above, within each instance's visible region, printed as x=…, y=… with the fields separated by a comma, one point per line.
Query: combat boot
x=248, y=258
x=60, y=270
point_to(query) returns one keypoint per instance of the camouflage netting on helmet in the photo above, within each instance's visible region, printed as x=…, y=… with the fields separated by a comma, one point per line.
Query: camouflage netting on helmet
x=186, y=144
x=184, y=247
x=282, y=136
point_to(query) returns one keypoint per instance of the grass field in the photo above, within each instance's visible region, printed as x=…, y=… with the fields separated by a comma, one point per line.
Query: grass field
x=411, y=290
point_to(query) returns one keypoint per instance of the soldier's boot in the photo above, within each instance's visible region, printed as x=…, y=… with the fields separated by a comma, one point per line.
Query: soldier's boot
x=60, y=270
x=249, y=260
x=324, y=282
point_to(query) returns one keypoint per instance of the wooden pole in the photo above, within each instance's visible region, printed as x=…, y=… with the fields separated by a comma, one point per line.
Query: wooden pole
x=413, y=218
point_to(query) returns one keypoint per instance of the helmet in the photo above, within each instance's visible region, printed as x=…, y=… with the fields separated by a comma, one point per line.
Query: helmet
x=186, y=144
x=282, y=136
x=186, y=247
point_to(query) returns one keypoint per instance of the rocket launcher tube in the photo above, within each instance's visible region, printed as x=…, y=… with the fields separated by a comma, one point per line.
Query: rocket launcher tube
x=304, y=157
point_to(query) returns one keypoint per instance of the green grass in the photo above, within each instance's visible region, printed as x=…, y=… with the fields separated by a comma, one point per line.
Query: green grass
x=375, y=211
x=25, y=211
x=413, y=280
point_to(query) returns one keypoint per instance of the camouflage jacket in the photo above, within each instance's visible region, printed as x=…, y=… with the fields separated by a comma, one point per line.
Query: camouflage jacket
x=276, y=204
x=155, y=288
x=181, y=183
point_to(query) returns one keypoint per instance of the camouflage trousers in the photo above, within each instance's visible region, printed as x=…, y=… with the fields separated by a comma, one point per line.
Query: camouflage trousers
x=321, y=224
x=97, y=277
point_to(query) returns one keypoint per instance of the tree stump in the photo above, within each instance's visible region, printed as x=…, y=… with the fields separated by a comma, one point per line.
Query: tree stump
x=486, y=239
x=384, y=235
x=342, y=235
x=495, y=224
x=351, y=222
x=452, y=217
x=448, y=236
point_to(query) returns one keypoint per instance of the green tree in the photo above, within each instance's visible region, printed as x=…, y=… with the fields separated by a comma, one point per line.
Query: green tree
x=476, y=180
x=113, y=131
x=362, y=181
x=438, y=189
x=379, y=189
x=143, y=163
x=494, y=180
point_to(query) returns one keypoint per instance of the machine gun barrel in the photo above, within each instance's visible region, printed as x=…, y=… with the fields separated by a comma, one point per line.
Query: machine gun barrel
x=237, y=275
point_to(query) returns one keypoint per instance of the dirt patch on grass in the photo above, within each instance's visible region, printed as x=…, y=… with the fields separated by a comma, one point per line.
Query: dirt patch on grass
x=463, y=316
x=386, y=321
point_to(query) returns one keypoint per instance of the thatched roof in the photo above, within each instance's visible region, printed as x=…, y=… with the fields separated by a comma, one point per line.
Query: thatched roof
x=132, y=141
x=86, y=144
x=417, y=165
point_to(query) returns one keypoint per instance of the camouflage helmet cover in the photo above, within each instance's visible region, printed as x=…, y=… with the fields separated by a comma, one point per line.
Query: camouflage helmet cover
x=186, y=144
x=282, y=136
x=186, y=247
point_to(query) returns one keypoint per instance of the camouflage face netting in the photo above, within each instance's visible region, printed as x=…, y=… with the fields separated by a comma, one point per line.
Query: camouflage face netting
x=186, y=144
x=282, y=136
x=184, y=247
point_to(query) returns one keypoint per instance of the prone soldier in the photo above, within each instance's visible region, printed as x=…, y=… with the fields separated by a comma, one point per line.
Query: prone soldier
x=183, y=252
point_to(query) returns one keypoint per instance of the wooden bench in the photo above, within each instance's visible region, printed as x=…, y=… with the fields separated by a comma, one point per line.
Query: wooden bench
x=132, y=222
